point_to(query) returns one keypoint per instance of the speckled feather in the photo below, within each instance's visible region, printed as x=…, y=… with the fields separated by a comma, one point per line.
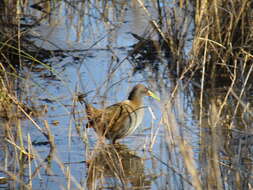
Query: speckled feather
x=121, y=119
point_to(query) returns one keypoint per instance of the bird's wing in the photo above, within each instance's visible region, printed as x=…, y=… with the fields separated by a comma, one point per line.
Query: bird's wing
x=111, y=116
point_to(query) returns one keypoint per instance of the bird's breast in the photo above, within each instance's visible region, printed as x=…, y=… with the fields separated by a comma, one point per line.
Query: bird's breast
x=134, y=120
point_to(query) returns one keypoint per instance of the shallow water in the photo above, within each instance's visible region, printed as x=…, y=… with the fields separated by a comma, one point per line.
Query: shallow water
x=97, y=62
x=91, y=51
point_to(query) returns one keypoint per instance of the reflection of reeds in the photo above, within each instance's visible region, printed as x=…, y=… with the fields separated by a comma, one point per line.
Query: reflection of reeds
x=221, y=56
x=218, y=69
x=116, y=166
x=222, y=46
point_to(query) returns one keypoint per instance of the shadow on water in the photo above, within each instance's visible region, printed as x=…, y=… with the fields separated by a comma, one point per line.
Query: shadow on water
x=116, y=166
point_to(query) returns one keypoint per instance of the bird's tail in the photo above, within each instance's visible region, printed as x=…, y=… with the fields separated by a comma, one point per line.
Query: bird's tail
x=90, y=110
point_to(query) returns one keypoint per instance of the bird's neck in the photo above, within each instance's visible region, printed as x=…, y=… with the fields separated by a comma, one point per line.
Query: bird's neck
x=136, y=100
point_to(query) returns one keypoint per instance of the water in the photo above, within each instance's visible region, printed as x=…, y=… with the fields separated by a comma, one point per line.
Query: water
x=198, y=136
x=90, y=49
x=87, y=63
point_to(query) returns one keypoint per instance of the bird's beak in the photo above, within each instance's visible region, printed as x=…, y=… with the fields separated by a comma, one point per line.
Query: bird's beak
x=153, y=95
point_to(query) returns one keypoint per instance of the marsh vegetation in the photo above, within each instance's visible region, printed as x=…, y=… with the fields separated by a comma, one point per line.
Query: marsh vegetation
x=197, y=55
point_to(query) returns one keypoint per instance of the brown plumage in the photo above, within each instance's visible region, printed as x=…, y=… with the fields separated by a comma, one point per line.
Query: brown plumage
x=120, y=119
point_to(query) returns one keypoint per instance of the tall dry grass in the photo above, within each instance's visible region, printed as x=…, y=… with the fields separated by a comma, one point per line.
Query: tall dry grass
x=219, y=68
x=222, y=52
x=218, y=71
x=21, y=162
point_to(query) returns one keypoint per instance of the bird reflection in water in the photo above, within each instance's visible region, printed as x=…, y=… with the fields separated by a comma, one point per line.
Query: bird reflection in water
x=115, y=166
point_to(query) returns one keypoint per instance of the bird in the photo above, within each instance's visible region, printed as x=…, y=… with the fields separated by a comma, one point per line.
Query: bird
x=120, y=119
